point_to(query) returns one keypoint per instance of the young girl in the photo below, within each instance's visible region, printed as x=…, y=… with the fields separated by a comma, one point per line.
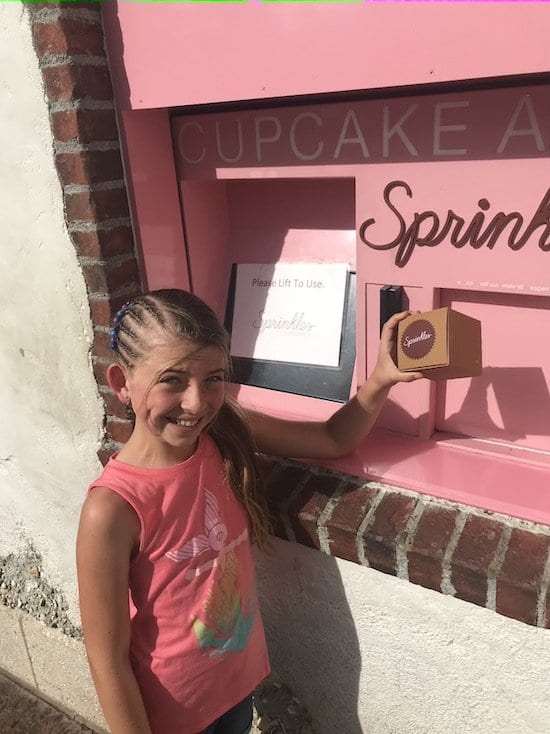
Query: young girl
x=172, y=515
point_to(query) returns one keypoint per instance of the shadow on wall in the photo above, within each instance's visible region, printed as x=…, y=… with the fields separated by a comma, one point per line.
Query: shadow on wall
x=314, y=647
x=521, y=402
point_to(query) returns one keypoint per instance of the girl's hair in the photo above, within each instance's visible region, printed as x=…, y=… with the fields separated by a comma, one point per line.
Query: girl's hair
x=140, y=325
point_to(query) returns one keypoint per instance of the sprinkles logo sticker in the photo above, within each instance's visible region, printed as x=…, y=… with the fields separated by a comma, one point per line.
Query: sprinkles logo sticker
x=418, y=339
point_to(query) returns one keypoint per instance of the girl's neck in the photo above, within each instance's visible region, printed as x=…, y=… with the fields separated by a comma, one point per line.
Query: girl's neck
x=149, y=455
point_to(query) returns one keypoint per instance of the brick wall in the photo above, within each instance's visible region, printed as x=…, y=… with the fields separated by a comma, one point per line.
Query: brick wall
x=486, y=559
x=68, y=39
x=491, y=560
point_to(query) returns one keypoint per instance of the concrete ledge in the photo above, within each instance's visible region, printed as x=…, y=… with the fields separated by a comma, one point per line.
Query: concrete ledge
x=50, y=664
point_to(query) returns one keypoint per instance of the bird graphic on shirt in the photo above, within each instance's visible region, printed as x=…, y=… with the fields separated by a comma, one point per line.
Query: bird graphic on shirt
x=213, y=538
x=227, y=619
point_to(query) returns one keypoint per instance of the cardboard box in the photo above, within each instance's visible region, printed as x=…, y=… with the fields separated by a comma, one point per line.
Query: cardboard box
x=442, y=344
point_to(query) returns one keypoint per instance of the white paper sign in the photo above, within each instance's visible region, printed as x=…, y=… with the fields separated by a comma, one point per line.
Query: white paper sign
x=289, y=312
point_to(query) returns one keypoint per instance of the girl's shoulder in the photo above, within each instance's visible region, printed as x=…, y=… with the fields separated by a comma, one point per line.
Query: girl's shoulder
x=105, y=514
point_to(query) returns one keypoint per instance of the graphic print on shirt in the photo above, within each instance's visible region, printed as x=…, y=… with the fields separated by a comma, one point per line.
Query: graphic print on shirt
x=214, y=537
x=227, y=618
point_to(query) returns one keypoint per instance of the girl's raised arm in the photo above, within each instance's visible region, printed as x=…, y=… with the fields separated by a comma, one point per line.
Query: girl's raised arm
x=107, y=536
x=345, y=429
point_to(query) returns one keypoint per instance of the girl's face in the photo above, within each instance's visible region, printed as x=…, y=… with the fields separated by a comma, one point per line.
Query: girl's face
x=176, y=392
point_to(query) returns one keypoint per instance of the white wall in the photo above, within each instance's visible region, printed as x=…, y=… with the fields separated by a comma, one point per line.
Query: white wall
x=50, y=410
x=366, y=652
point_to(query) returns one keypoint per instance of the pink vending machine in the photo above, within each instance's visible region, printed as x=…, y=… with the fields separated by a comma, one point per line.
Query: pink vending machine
x=304, y=220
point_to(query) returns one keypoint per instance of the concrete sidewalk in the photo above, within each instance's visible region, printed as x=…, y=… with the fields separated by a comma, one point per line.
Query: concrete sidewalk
x=23, y=713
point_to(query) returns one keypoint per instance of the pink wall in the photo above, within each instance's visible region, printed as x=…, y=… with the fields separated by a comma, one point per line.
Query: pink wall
x=184, y=53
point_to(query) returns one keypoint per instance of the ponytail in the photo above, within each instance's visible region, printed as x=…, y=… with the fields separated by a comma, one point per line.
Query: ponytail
x=232, y=435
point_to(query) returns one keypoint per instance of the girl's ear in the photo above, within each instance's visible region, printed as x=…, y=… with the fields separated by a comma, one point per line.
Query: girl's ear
x=116, y=379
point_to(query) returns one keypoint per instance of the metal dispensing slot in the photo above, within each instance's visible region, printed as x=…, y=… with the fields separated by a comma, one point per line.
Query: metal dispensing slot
x=391, y=302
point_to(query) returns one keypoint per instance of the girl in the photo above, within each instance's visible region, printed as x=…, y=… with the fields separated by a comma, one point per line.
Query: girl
x=172, y=515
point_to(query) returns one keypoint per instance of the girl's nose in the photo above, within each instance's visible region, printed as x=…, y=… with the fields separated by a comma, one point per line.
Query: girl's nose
x=192, y=399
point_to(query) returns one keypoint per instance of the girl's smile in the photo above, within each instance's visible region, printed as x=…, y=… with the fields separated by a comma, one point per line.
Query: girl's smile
x=184, y=422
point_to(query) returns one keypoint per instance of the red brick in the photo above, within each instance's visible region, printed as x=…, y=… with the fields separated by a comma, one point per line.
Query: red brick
x=111, y=277
x=387, y=531
x=428, y=547
x=519, y=581
x=96, y=206
x=103, y=310
x=517, y=602
x=473, y=555
x=93, y=6
x=99, y=370
x=104, y=243
x=123, y=275
x=525, y=558
x=89, y=167
x=347, y=516
x=119, y=431
x=84, y=126
x=102, y=345
x=70, y=36
x=305, y=508
x=69, y=81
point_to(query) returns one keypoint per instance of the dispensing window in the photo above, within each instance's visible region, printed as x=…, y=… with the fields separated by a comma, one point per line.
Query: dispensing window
x=280, y=271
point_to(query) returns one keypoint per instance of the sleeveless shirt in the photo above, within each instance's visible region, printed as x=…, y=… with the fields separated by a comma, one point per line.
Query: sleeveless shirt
x=197, y=639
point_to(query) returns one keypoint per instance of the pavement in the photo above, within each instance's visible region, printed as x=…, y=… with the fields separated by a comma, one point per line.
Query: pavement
x=21, y=712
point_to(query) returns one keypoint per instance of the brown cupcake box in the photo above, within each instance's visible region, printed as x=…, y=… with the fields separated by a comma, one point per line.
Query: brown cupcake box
x=442, y=344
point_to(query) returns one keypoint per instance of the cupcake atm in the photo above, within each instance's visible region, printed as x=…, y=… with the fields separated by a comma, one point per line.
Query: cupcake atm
x=302, y=220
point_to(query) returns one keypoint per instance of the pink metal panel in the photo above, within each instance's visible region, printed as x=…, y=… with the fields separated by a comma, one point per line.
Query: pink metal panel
x=510, y=402
x=155, y=205
x=166, y=55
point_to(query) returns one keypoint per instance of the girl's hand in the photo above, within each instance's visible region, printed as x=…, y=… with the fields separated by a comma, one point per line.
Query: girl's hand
x=385, y=372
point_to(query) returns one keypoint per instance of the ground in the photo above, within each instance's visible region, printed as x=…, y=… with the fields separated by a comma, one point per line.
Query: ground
x=21, y=712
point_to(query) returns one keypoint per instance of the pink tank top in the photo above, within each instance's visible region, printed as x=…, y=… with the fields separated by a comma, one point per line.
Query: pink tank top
x=197, y=639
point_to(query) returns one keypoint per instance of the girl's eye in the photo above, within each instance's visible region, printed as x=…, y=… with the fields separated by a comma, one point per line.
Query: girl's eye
x=216, y=378
x=170, y=380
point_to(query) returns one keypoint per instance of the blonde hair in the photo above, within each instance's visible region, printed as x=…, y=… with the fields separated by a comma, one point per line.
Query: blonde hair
x=182, y=315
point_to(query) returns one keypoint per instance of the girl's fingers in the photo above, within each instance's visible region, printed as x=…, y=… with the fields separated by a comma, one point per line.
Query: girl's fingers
x=392, y=322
